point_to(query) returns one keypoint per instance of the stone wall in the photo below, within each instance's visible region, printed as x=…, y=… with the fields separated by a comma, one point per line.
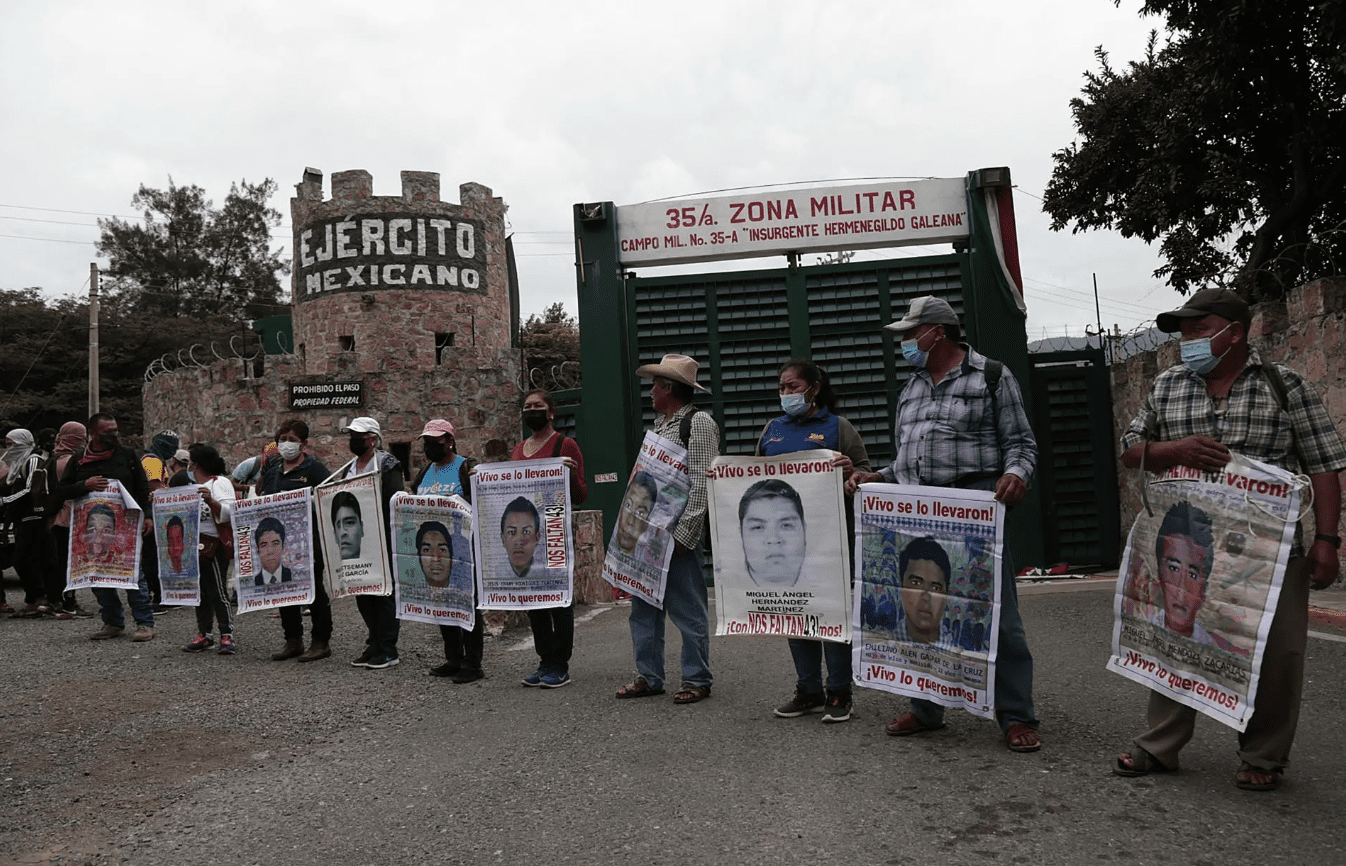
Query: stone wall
x=1307, y=333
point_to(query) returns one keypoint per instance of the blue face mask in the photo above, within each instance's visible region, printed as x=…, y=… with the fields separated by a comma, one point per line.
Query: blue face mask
x=1197, y=356
x=794, y=405
x=911, y=350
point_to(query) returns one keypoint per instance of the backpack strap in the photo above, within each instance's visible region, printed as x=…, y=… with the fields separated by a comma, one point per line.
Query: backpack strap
x=992, y=374
x=556, y=449
x=1277, y=383
x=685, y=426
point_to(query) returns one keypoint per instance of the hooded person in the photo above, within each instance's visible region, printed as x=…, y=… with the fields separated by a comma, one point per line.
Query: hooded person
x=24, y=492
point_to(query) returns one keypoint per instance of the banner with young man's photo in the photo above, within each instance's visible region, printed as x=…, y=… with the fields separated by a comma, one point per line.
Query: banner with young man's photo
x=530, y=564
x=104, y=546
x=778, y=529
x=432, y=556
x=927, y=599
x=352, y=529
x=641, y=546
x=273, y=544
x=1199, y=584
x=177, y=534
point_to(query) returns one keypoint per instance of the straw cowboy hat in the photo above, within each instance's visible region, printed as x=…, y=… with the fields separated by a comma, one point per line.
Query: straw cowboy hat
x=679, y=368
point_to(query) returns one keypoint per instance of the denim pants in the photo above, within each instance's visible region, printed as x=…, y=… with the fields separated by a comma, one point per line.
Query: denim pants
x=1013, y=662
x=554, y=636
x=380, y=615
x=685, y=603
x=110, y=606
x=808, y=656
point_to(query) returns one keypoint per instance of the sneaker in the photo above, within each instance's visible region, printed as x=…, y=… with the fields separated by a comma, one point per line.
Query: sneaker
x=363, y=660
x=379, y=661
x=447, y=669
x=838, y=707
x=200, y=642
x=107, y=632
x=533, y=679
x=227, y=645
x=74, y=613
x=143, y=633
x=553, y=680
x=801, y=703
x=160, y=609
x=468, y=675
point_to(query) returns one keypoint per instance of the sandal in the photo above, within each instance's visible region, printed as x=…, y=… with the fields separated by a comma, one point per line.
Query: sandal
x=1250, y=778
x=1139, y=762
x=907, y=724
x=1022, y=738
x=640, y=688
x=690, y=694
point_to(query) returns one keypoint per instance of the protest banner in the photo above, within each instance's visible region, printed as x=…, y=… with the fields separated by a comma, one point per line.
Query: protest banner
x=177, y=533
x=1199, y=582
x=105, y=540
x=273, y=544
x=352, y=529
x=778, y=529
x=432, y=557
x=927, y=604
x=642, y=541
x=532, y=563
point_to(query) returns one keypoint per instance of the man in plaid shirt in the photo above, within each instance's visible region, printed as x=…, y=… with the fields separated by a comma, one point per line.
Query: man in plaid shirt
x=1221, y=399
x=952, y=432
x=685, y=598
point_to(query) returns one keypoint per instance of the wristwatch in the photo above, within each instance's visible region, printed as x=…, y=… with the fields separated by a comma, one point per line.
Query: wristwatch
x=1334, y=540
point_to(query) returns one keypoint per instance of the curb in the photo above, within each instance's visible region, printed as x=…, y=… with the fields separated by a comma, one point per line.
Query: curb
x=1327, y=616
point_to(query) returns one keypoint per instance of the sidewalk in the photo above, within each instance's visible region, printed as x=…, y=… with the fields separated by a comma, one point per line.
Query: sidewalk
x=1327, y=608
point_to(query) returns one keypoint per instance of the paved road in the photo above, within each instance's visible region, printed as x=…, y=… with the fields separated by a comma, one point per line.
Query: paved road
x=137, y=753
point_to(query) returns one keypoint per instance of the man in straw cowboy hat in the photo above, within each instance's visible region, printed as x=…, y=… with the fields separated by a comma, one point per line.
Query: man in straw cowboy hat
x=685, y=603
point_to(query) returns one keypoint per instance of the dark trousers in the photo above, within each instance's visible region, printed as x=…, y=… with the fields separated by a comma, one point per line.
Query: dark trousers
x=149, y=566
x=554, y=636
x=34, y=559
x=464, y=647
x=380, y=615
x=214, y=606
x=292, y=616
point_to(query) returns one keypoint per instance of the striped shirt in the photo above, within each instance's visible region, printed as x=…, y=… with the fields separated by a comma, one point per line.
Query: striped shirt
x=703, y=446
x=1249, y=422
x=948, y=431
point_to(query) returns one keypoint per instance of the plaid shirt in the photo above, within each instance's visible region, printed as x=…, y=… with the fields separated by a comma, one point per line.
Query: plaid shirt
x=703, y=446
x=947, y=431
x=1179, y=405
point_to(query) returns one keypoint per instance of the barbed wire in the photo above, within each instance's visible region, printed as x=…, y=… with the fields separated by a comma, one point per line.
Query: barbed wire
x=170, y=362
x=559, y=377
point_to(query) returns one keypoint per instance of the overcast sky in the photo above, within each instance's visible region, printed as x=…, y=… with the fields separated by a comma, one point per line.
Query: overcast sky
x=552, y=103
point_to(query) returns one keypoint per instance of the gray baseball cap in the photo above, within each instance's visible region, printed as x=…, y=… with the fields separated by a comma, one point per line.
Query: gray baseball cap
x=927, y=310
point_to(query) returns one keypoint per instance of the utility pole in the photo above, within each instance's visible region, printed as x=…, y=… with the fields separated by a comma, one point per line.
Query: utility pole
x=93, y=339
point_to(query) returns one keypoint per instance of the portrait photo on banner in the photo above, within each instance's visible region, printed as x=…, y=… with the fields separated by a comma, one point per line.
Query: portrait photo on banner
x=351, y=530
x=274, y=551
x=433, y=559
x=641, y=543
x=782, y=563
x=1200, y=577
x=177, y=520
x=927, y=598
x=524, y=549
x=105, y=540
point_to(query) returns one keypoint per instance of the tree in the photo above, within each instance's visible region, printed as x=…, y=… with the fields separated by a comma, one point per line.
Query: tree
x=551, y=349
x=1226, y=144
x=189, y=258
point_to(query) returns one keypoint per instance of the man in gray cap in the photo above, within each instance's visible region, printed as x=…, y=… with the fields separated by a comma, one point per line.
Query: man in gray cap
x=685, y=598
x=961, y=423
x=1223, y=397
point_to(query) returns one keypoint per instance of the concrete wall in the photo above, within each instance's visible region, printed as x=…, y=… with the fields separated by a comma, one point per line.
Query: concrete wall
x=1306, y=333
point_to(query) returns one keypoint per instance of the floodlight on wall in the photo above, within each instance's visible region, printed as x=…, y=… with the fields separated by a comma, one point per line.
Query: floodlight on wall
x=991, y=177
x=592, y=213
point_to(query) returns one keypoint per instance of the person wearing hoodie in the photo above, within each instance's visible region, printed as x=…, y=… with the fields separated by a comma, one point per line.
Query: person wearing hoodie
x=378, y=611
x=23, y=492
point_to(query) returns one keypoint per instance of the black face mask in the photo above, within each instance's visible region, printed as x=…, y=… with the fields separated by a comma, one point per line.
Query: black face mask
x=435, y=451
x=357, y=444
x=536, y=419
x=110, y=441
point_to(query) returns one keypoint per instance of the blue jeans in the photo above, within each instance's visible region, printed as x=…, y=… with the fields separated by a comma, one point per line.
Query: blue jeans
x=808, y=656
x=110, y=606
x=685, y=604
x=1013, y=663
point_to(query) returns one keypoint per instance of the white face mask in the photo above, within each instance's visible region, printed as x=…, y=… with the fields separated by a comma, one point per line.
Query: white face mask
x=289, y=450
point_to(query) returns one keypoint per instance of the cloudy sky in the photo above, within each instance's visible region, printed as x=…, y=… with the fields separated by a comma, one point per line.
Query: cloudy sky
x=552, y=103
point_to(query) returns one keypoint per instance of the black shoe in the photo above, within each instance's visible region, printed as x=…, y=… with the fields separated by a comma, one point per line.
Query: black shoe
x=379, y=661
x=447, y=669
x=838, y=707
x=801, y=703
x=363, y=660
x=468, y=675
